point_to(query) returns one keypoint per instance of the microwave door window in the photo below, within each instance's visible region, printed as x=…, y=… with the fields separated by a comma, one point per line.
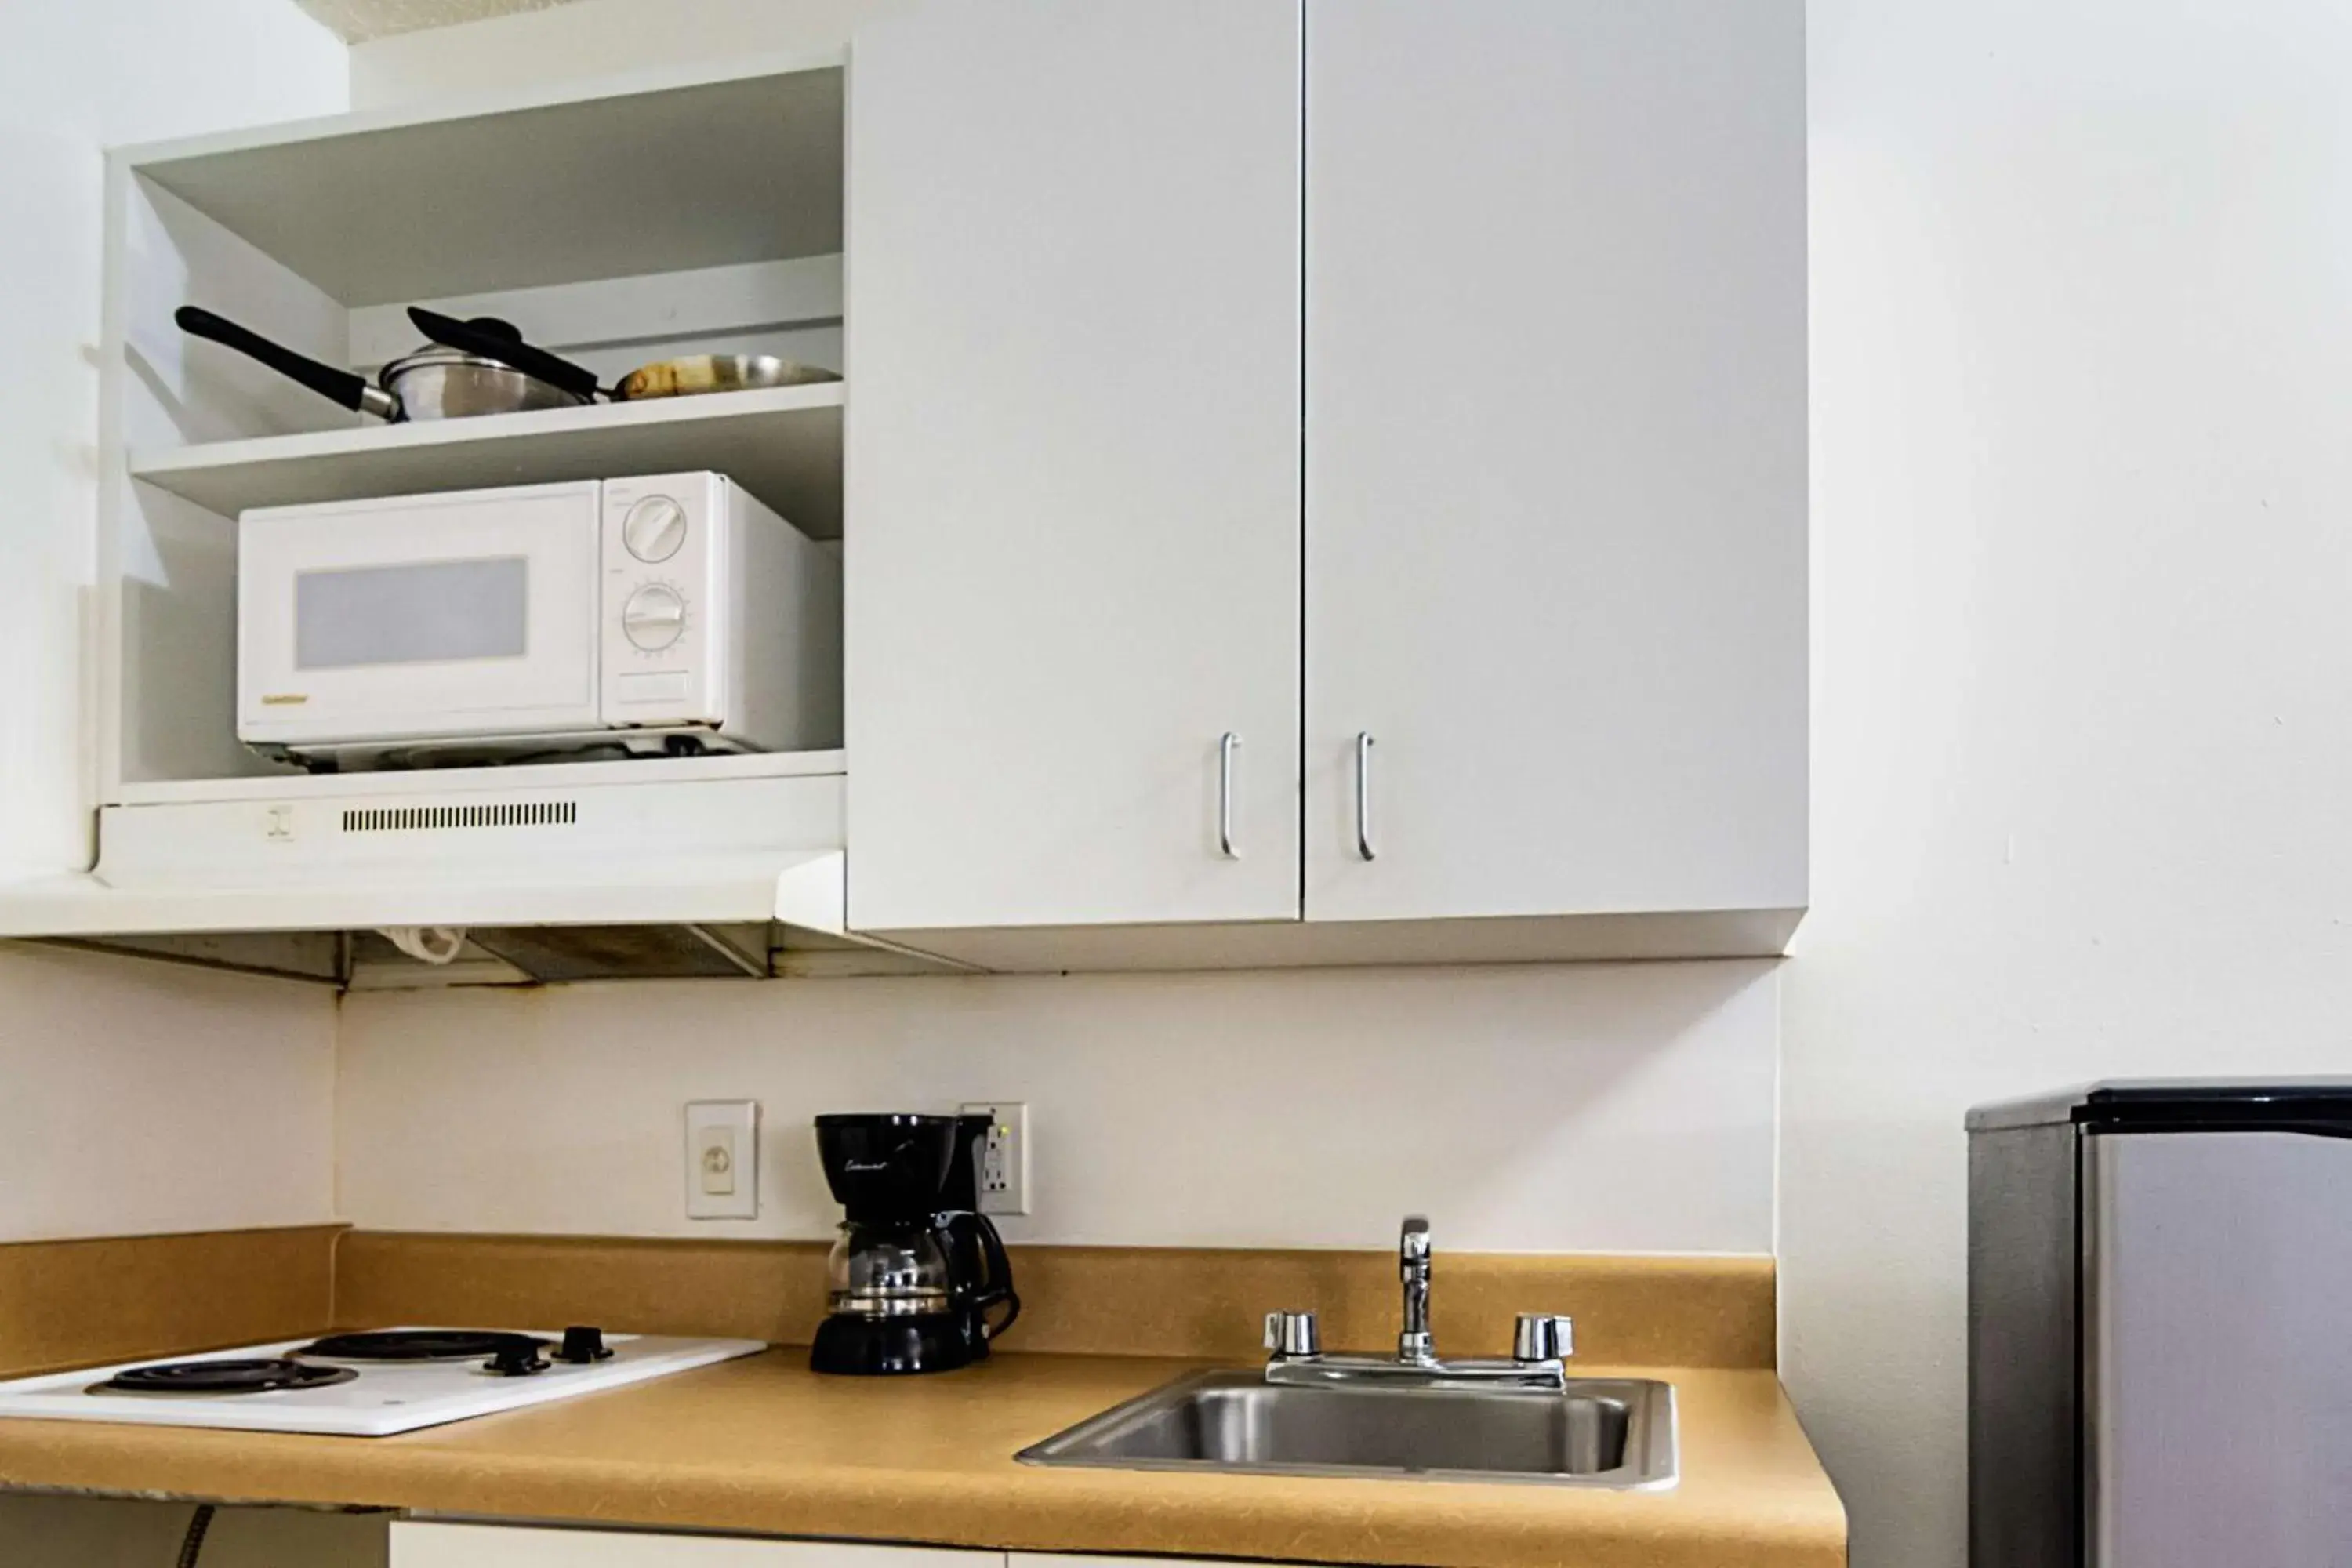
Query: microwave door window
x=439, y=612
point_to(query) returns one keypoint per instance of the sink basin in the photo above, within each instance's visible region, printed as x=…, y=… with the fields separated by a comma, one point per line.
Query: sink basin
x=1603, y=1432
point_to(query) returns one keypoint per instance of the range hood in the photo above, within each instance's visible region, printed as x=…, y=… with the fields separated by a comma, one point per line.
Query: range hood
x=508, y=875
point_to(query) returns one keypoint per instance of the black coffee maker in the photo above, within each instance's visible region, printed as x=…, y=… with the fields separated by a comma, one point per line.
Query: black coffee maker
x=917, y=1269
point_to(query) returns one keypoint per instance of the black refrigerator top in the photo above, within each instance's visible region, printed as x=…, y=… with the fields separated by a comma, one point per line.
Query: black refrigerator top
x=2317, y=1105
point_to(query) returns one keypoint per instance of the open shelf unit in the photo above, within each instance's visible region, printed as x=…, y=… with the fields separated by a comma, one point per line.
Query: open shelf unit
x=665, y=212
x=616, y=223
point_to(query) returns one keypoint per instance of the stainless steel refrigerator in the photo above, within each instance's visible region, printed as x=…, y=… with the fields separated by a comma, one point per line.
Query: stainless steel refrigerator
x=2160, y=1327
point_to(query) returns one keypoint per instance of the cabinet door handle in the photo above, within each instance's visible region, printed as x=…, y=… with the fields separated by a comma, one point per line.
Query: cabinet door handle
x=1364, y=795
x=1226, y=746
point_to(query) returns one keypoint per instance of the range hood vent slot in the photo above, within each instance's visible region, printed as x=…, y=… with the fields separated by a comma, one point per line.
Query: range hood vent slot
x=435, y=818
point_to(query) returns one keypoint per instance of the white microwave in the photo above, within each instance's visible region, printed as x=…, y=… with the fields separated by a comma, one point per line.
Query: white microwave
x=670, y=612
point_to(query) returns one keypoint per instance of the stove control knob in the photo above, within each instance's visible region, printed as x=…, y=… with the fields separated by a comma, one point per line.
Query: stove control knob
x=653, y=617
x=516, y=1359
x=584, y=1346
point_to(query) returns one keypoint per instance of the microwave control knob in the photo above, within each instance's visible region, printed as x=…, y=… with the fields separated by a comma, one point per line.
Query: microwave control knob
x=653, y=528
x=653, y=617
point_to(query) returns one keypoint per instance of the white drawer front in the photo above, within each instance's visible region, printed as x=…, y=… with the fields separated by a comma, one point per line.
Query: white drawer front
x=421, y=1544
x=1085, y=1559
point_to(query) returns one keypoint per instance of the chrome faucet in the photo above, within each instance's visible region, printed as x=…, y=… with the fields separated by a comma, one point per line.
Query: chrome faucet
x=1415, y=1343
x=1540, y=1342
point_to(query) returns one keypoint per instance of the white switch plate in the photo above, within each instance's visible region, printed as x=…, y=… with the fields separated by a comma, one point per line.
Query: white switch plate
x=1003, y=1155
x=722, y=1159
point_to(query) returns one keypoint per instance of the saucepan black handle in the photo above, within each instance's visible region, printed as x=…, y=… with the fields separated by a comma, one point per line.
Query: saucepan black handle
x=336, y=386
x=494, y=339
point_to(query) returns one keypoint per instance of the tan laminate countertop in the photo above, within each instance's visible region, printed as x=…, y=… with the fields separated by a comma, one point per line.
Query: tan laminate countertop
x=764, y=1445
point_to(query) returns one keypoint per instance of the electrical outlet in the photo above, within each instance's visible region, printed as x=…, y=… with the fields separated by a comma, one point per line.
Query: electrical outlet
x=722, y=1159
x=1003, y=1155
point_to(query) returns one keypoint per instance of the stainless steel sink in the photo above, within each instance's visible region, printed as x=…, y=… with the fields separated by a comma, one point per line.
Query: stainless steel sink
x=1602, y=1432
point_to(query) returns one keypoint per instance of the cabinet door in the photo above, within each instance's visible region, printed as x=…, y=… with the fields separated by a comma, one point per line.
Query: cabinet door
x=1072, y=471
x=1556, y=500
x=419, y=1544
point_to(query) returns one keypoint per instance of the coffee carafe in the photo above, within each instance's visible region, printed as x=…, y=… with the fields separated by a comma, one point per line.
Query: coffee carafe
x=915, y=1271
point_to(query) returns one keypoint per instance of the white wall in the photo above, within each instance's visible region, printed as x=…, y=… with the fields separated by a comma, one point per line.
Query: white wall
x=1620, y=1108
x=2082, y=330
x=137, y=1098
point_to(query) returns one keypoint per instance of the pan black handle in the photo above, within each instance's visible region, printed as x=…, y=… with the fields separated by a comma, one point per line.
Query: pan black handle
x=336, y=386
x=494, y=339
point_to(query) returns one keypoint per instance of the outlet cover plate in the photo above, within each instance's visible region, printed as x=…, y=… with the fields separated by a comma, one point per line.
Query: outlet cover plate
x=1003, y=1155
x=722, y=1159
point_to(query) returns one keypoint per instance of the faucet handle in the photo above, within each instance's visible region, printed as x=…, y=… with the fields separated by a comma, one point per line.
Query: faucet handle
x=1293, y=1335
x=1542, y=1336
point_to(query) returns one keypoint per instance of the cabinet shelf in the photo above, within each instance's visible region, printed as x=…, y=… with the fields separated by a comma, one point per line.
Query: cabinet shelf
x=656, y=172
x=782, y=444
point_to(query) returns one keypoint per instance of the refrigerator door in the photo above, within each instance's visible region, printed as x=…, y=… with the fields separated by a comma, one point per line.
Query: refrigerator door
x=2217, y=1346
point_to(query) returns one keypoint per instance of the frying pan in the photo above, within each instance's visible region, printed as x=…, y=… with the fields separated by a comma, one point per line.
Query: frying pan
x=663, y=378
x=439, y=382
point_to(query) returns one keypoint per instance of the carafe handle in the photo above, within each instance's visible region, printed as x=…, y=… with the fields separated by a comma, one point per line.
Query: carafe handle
x=999, y=1290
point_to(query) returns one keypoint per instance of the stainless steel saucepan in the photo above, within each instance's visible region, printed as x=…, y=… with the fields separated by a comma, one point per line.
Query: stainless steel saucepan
x=437, y=382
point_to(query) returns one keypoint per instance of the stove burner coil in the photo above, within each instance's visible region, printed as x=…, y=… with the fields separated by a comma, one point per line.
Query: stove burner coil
x=418, y=1345
x=211, y=1378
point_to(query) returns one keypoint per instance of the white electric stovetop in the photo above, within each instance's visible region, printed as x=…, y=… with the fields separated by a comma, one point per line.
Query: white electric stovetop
x=380, y=1397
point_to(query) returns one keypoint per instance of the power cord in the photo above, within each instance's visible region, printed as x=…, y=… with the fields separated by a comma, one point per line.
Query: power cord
x=192, y=1543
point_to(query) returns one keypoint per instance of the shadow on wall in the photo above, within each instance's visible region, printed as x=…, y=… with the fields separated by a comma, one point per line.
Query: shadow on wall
x=105, y=1532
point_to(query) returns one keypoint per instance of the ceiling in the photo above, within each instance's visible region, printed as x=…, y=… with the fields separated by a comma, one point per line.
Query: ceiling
x=356, y=21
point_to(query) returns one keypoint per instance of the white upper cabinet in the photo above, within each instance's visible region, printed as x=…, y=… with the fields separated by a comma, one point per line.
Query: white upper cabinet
x=1416, y=392
x=1071, y=464
x=1556, y=459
